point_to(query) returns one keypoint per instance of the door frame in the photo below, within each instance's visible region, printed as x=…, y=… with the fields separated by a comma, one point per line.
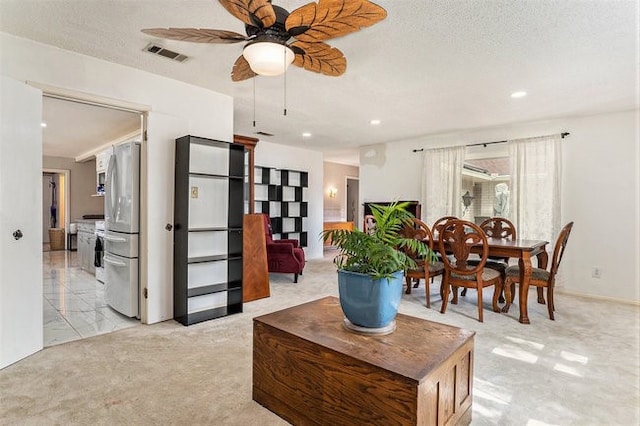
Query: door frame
x=143, y=110
x=67, y=201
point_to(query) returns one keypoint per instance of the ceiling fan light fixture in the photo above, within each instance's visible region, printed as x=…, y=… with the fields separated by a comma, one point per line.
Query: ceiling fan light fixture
x=268, y=58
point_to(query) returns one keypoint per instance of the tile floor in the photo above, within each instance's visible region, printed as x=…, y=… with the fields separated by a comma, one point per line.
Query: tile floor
x=73, y=305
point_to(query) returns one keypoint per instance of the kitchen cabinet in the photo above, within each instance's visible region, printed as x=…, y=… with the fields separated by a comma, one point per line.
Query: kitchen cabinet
x=102, y=162
x=86, y=246
x=82, y=249
x=208, y=229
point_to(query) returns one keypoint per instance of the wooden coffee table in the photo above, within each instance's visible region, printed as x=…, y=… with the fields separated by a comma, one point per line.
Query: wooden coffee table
x=309, y=369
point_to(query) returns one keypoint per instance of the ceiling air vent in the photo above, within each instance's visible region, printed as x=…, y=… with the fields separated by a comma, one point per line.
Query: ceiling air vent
x=161, y=51
x=264, y=134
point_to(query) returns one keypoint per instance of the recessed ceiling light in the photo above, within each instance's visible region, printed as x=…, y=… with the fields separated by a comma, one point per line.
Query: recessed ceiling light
x=520, y=94
x=375, y=122
x=43, y=124
x=306, y=135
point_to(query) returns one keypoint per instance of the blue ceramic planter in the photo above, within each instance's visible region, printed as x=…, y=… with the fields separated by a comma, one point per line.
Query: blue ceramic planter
x=367, y=302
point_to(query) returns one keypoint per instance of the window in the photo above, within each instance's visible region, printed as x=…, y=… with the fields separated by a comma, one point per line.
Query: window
x=485, y=177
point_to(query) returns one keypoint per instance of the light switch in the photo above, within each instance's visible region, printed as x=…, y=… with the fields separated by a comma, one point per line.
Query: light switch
x=194, y=192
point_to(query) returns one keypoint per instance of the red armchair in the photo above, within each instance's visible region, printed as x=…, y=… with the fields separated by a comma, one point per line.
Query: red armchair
x=285, y=256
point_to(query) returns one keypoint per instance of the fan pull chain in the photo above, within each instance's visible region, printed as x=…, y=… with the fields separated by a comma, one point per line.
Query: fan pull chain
x=285, y=94
x=284, y=63
x=254, y=102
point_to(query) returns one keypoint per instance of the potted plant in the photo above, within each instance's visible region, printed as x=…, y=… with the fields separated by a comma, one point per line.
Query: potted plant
x=371, y=266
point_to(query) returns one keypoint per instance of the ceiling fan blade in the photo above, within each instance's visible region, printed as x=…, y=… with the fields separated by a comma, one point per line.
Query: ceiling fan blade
x=196, y=35
x=258, y=13
x=332, y=18
x=319, y=57
x=242, y=70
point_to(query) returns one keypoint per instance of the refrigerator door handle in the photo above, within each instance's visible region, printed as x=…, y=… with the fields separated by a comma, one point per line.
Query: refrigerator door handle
x=111, y=186
x=115, y=239
x=113, y=261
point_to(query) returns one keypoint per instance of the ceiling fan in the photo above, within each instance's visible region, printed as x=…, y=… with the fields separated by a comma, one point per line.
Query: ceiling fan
x=270, y=28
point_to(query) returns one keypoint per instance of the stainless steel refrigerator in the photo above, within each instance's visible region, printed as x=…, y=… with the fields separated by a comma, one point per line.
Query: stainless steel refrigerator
x=122, y=221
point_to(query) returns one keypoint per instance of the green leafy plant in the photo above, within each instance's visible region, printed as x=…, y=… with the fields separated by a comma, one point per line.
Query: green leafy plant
x=381, y=252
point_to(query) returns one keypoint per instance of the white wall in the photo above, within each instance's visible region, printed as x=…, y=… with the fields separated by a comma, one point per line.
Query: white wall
x=287, y=157
x=600, y=187
x=203, y=112
x=601, y=193
x=390, y=172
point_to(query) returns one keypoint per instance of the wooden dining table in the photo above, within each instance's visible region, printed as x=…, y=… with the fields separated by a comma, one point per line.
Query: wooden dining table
x=524, y=251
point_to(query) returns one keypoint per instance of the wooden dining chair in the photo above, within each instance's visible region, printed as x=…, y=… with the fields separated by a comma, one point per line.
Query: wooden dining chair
x=440, y=222
x=540, y=278
x=499, y=228
x=437, y=227
x=425, y=270
x=457, y=237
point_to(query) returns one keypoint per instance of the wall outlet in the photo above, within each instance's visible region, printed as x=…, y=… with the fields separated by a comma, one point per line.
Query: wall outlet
x=194, y=192
x=596, y=272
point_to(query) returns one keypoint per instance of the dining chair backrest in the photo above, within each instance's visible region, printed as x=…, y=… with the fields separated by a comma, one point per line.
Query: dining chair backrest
x=459, y=237
x=435, y=229
x=419, y=231
x=456, y=238
x=499, y=227
x=558, y=250
x=425, y=269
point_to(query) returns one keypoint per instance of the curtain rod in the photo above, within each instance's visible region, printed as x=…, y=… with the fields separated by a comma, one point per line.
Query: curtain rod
x=563, y=135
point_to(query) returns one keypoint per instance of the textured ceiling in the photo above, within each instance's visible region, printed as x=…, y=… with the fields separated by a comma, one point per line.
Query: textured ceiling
x=430, y=67
x=74, y=128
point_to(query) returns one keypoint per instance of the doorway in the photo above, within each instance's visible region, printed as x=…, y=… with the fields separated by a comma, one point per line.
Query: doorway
x=55, y=208
x=74, y=304
x=353, y=190
x=50, y=196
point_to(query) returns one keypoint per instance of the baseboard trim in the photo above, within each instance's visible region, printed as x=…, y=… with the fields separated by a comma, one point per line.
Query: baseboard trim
x=597, y=297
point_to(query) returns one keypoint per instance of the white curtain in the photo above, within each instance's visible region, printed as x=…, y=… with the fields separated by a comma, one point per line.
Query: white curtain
x=442, y=183
x=536, y=174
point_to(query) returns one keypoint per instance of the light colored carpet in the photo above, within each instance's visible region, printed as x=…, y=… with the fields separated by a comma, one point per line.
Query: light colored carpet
x=582, y=369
